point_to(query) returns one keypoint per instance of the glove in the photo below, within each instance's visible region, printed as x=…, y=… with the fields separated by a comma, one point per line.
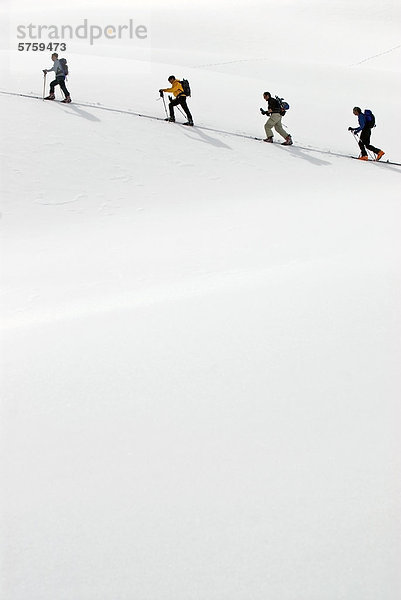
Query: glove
x=45, y=71
x=161, y=93
x=264, y=112
x=350, y=129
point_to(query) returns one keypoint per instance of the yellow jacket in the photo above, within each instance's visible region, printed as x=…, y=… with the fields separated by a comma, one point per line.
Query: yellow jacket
x=176, y=88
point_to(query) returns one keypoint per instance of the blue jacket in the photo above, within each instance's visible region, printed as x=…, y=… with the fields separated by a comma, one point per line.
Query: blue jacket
x=362, y=123
x=57, y=68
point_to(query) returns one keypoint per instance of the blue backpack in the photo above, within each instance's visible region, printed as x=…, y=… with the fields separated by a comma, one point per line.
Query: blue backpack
x=370, y=118
x=284, y=106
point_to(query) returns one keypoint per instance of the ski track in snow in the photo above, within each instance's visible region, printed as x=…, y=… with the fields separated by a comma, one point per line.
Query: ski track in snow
x=266, y=59
x=243, y=135
x=361, y=62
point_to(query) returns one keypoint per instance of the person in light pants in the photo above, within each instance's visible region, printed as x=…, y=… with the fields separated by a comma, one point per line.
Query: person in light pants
x=274, y=120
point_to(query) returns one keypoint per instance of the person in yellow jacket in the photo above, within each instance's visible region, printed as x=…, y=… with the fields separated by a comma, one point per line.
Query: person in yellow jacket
x=180, y=99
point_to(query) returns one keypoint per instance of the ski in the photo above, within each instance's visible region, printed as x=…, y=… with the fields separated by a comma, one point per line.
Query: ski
x=59, y=101
x=175, y=122
x=274, y=142
x=378, y=162
x=39, y=98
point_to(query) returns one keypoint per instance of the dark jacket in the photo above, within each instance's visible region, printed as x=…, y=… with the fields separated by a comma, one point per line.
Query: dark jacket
x=274, y=105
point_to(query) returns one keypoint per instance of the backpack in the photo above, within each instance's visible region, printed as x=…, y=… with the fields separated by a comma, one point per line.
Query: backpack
x=284, y=106
x=64, y=66
x=370, y=118
x=186, y=87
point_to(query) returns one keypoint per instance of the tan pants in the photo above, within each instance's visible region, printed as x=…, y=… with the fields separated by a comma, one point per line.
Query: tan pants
x=275, y=121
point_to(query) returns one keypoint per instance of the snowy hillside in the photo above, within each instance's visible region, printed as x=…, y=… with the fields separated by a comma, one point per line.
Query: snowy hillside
x=200, y=332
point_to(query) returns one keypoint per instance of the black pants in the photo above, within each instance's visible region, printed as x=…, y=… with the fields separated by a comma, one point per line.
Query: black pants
x=60, y=80
x=182, y=100
x=364, y=140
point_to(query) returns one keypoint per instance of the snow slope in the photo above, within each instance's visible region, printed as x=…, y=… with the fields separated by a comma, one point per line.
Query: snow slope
x=201, y=333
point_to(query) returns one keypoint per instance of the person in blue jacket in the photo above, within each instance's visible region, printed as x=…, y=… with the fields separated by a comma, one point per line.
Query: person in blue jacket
x=364, y=141
x=59, y=80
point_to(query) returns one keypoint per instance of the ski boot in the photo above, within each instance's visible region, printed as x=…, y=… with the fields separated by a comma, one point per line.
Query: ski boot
x=189, y=123
x=50, y=97
x=269, y=139
x=379, y=154
x=288, y=141
x=363, y=157
x=66, y=100
x=170, y=119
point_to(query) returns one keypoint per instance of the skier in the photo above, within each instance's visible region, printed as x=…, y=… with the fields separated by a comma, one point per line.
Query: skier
x=180, y=99
x=60, y=79
x=274, y=120
x=364, y=140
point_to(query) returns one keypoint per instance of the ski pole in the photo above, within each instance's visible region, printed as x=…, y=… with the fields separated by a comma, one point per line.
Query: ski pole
x=356, y=140
x=170, y=98
x=370, y=154
x=44, y=84
x=165, y=107
x=164, y=102
x=368, y=151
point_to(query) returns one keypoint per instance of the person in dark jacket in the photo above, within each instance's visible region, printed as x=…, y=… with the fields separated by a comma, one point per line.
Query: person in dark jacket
x=274, y=120
x=59, y=80
x=364, y=140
